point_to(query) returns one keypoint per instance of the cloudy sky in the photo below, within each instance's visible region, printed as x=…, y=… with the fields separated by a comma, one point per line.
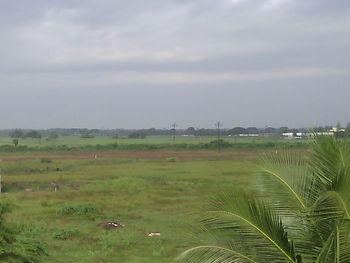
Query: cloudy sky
x=149, y=63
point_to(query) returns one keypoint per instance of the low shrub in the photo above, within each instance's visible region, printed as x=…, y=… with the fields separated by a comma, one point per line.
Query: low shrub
x=45, y=160
x=65, y=234
x=171, y=159
x=85, y=210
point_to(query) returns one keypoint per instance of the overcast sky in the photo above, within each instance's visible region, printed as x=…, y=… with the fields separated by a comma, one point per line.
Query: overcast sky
x=149, y=63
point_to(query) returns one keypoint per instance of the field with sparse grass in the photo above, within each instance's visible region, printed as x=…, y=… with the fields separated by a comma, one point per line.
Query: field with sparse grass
x=103, y=143
x=67, y=199
x=103, y=140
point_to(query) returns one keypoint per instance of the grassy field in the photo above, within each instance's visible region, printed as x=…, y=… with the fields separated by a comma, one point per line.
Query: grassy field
x=151, y=142
x=146, y=191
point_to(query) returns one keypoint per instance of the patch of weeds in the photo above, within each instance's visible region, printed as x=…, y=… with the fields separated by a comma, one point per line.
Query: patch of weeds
x=45, y=160
x=26, y=244
x=28, y=231
x=157, y=247
x=46, y=203
x=112, y=242
x=171, y=159
x=155, y=179
x=85, y=210
x=65, y=234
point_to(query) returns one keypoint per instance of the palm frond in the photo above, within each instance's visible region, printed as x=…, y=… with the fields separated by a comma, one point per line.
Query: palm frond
x=211, y=254
x=326, y=253
x=343, y=241
x=330, y=158
x=290, y=181
x=308, y=198
x=253, y=224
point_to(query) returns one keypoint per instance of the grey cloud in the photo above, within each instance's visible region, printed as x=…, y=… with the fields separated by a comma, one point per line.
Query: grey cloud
x=69, y=48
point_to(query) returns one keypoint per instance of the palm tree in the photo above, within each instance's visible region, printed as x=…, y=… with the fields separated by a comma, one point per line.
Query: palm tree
x=300, y=212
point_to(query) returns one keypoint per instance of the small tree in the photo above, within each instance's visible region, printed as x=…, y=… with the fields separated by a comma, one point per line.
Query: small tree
x=238, y=130
x=283, y=129
x=191, y=131
x=17, y=133
x=33, y=134
x=252, y=130
x=15, y=142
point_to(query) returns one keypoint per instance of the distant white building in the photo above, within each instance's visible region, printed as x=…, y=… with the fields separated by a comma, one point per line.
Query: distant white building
x=248, y=135
x=301, y=135
x=288, y=135
x=335, y=129
x=245, y=135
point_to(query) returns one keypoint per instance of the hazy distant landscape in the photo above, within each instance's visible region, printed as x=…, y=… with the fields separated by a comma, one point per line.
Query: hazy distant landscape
x=148, y=139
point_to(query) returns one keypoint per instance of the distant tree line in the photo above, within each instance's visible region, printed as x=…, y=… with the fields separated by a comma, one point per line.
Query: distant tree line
x=142, y=133
x=22, y=134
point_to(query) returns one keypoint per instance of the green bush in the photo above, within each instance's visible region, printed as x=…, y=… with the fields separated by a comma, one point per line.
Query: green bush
x=171, y=159
x=85, y=210
x=17, y=245
x=45, y=160
x=221, y=143
x=63, y=234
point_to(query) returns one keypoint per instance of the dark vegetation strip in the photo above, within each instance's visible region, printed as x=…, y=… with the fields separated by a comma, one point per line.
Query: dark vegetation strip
x=165, y=146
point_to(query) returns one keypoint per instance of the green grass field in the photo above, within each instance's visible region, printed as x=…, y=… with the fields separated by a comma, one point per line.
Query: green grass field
x=103, y=140
x=146, y=191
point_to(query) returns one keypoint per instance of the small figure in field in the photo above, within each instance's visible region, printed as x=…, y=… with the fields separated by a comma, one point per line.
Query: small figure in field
x=95, y=156
x=55, y=186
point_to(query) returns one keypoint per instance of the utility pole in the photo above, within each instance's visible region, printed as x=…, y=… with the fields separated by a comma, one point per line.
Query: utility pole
x=0, y=181
x=174, y=125
x=218, y=125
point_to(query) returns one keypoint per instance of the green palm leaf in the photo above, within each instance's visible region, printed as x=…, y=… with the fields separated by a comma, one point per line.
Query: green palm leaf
x=239, y=219
x=290, y=179
x=308, y=198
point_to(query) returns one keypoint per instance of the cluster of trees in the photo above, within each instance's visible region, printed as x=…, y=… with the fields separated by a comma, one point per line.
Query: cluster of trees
x=241, y=130
x=21, y=134
x=191, y=131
